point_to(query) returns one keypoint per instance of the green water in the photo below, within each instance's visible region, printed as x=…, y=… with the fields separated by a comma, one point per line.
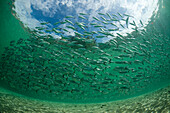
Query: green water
x=74, y=75
x=10, y=27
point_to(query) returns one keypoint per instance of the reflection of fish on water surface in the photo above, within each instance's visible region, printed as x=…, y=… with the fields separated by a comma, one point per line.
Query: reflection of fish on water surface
x=59, y=69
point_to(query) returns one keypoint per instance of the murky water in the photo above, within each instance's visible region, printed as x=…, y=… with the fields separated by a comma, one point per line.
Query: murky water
x=83, y=58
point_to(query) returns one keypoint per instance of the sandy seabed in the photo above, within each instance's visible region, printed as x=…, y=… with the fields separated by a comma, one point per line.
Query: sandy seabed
x=154, y=102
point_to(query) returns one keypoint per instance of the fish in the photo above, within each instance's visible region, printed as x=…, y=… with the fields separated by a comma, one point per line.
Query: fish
x=89, y=40
x=113, y=29
x=89, y=33
x=141, y=22
x=79, y=45
x=117, y=57
x=46, y=31
x=100, y=36
x=78, y=34
x=113, y=19
x=82, y=13
x=125, y=88
x=123, y=19
x=121, y=36
x=69, y=16
x=44, y=23
x=139, y=75
x=96, y=18
x=56, y=23
x=115, y=15
x=102, y=30
x=21, y=40
x=105, y=58
x=65, y=30
x=95, y=47
x=94, y=32
x=80, y=24
x=104, y=22
x=82, y=27
x=120, y=15
x=68, y=21
x=101, y=13
x=127, y=21
x=113, y=24
x=71, y=27
x=82, y=17
x=117, y=49
x=103, y=18
x=56, y=31
x=40, y=28
x=122, y=26
x=63, y=22
x=93, y=24
x=121, y=68
x=139, y=62
x=124, y=71
x=125, y=55
x=107, y=33
x=85, y=34
x=127, y=15
x=109, y=15
x=63, y=41
x=133, y=24
x=122, y=62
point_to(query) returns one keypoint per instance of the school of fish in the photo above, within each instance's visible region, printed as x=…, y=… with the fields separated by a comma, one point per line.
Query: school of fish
x=76, y=68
